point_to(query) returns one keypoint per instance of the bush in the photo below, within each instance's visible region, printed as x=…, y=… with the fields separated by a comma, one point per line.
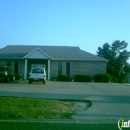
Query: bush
x=82, y=78
x=63, y=78
x=98, y=78
x=17, y=77
x=106, y=78
x=102, y=78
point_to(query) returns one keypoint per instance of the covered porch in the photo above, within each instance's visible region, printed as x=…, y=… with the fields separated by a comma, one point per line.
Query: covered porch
x=37, y=58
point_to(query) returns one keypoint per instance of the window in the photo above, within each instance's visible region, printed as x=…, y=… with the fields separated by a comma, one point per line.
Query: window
x=8, y=64
x=59, y=68
x=68, y=69
x=16, y=67
x=38, y=70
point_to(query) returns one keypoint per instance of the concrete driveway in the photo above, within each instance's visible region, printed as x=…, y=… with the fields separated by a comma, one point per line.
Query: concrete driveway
x=110, y=101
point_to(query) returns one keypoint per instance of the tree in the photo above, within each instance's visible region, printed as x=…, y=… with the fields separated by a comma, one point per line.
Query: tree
x=127, y=69
x=117, y=55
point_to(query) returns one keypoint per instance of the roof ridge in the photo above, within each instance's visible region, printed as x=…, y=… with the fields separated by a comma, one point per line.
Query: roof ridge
x=43, y=46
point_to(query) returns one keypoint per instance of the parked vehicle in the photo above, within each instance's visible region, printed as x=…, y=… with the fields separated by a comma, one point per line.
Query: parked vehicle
x=6, y=74
x=37, y=74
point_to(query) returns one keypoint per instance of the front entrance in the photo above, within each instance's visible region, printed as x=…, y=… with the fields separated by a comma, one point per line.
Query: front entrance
x=34, y=63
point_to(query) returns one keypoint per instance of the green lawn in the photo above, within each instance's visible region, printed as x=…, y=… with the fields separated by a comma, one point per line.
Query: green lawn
x=34, y=108
x=55, y=126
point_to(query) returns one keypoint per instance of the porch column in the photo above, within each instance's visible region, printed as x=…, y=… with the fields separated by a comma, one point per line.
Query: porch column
x=25, y=69
x=48, y=69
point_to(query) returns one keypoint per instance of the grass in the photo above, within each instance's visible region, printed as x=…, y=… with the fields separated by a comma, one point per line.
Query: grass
x=127, y=84
x=23, y=108
x=55, y=126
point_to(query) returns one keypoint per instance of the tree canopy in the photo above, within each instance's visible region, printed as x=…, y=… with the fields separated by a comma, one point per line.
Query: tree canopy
x=116, y=53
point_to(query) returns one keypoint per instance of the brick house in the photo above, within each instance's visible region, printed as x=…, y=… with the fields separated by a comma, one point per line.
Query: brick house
x=55, y=59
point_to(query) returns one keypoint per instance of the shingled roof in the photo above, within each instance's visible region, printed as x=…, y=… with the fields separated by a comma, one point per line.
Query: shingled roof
x=54, y=52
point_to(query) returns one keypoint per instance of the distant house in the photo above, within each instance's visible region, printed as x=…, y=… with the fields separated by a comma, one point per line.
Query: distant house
x=55, y=59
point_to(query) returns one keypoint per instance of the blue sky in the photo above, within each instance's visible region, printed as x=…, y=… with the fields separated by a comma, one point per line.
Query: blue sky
x=84, y=23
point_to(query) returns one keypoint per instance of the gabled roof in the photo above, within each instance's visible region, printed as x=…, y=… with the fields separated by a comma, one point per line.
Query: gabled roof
x=37, y=53
x=53, y=52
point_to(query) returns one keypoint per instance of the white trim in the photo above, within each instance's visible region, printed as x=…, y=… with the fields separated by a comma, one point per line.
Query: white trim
x=48, y=69
x=25, y=69
x=36, y=50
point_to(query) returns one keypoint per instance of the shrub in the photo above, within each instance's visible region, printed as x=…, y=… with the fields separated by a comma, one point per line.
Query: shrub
x=63, y=78
x=82, y=78
x=17, y=77
x=106, y=78
x=98, y=78
x=102, y=78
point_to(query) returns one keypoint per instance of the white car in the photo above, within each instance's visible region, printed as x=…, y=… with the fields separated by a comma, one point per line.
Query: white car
x=37, y=74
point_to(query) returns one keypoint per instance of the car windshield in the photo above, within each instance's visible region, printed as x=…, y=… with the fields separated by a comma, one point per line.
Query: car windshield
x=38, y=70
x=2, y=69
